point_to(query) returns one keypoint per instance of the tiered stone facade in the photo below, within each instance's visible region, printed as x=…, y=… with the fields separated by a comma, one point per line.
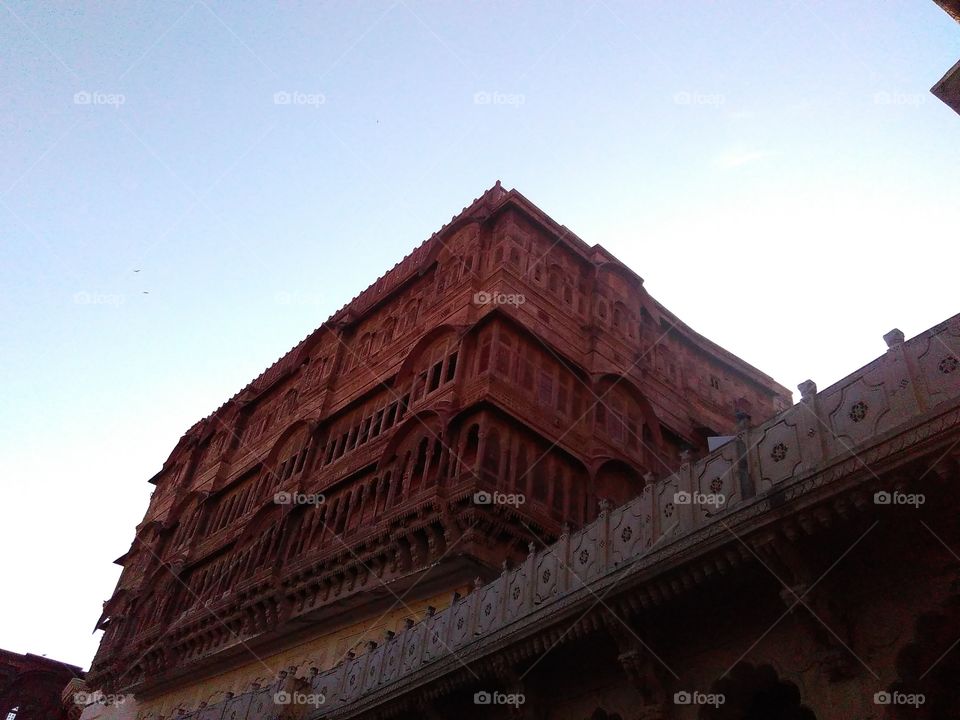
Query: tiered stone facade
x=332, y=515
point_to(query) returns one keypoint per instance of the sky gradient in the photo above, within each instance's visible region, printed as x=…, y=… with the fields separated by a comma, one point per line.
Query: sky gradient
x=189, y=188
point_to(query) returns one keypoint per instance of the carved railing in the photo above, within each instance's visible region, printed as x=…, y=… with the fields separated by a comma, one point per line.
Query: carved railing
x=825, y=434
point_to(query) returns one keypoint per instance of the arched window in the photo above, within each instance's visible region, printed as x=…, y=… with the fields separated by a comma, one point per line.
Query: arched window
x=410, y=314
x=343, y=511
x=504, y=355
x=433, y=469
x=384, y=493
x=483, y=357
x=470, y=448
x=520, y=480
x=559, y=492
x=540, y=486
x=365, y=343
x=420, y=465
x=491, y=455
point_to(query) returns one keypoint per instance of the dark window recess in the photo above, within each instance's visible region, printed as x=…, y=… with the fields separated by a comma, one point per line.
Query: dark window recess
x=526, y=374
x=503, y=360
x=484, y=361
x=451, y=367
x=435, y=376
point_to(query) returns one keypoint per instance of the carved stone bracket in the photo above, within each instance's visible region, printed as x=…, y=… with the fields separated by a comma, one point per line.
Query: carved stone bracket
x=643, y=669
x=818, y=613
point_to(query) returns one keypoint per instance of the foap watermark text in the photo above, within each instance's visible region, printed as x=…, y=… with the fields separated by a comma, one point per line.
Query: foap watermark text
x=295, y=97
x=298, y=498
x=498, y=498
x=498, y=698
x=498, y=298
x=882, y=497
x=685, y=697
x=95, y=97
x=484, y=97
x=298, y=698
x=715, y=500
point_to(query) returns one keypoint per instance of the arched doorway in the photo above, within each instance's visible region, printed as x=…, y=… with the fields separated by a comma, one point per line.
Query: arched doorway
x=929, y=666
x=756, y=693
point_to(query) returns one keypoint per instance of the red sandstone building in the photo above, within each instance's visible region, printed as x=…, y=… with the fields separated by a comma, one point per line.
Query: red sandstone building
x=31, y=686
x=487, y=477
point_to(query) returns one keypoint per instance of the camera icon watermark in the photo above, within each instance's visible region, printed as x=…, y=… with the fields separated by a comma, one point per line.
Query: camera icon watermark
x=486, y=97
x=882, y=497
x=498, y=298
x=95, y=97
x=514, y=700
x=298, y=698
x=482, y=497
x=688, y=98
x=685, y=697
x=896, y=697
x=713, y=500
x=295, y=97
x=297, y=498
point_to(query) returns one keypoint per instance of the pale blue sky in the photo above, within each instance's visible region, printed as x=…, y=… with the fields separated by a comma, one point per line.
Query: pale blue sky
x=777, y=172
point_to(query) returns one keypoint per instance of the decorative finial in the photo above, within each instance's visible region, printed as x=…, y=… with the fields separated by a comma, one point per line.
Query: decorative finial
x=893, y=338
x=808, y=388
